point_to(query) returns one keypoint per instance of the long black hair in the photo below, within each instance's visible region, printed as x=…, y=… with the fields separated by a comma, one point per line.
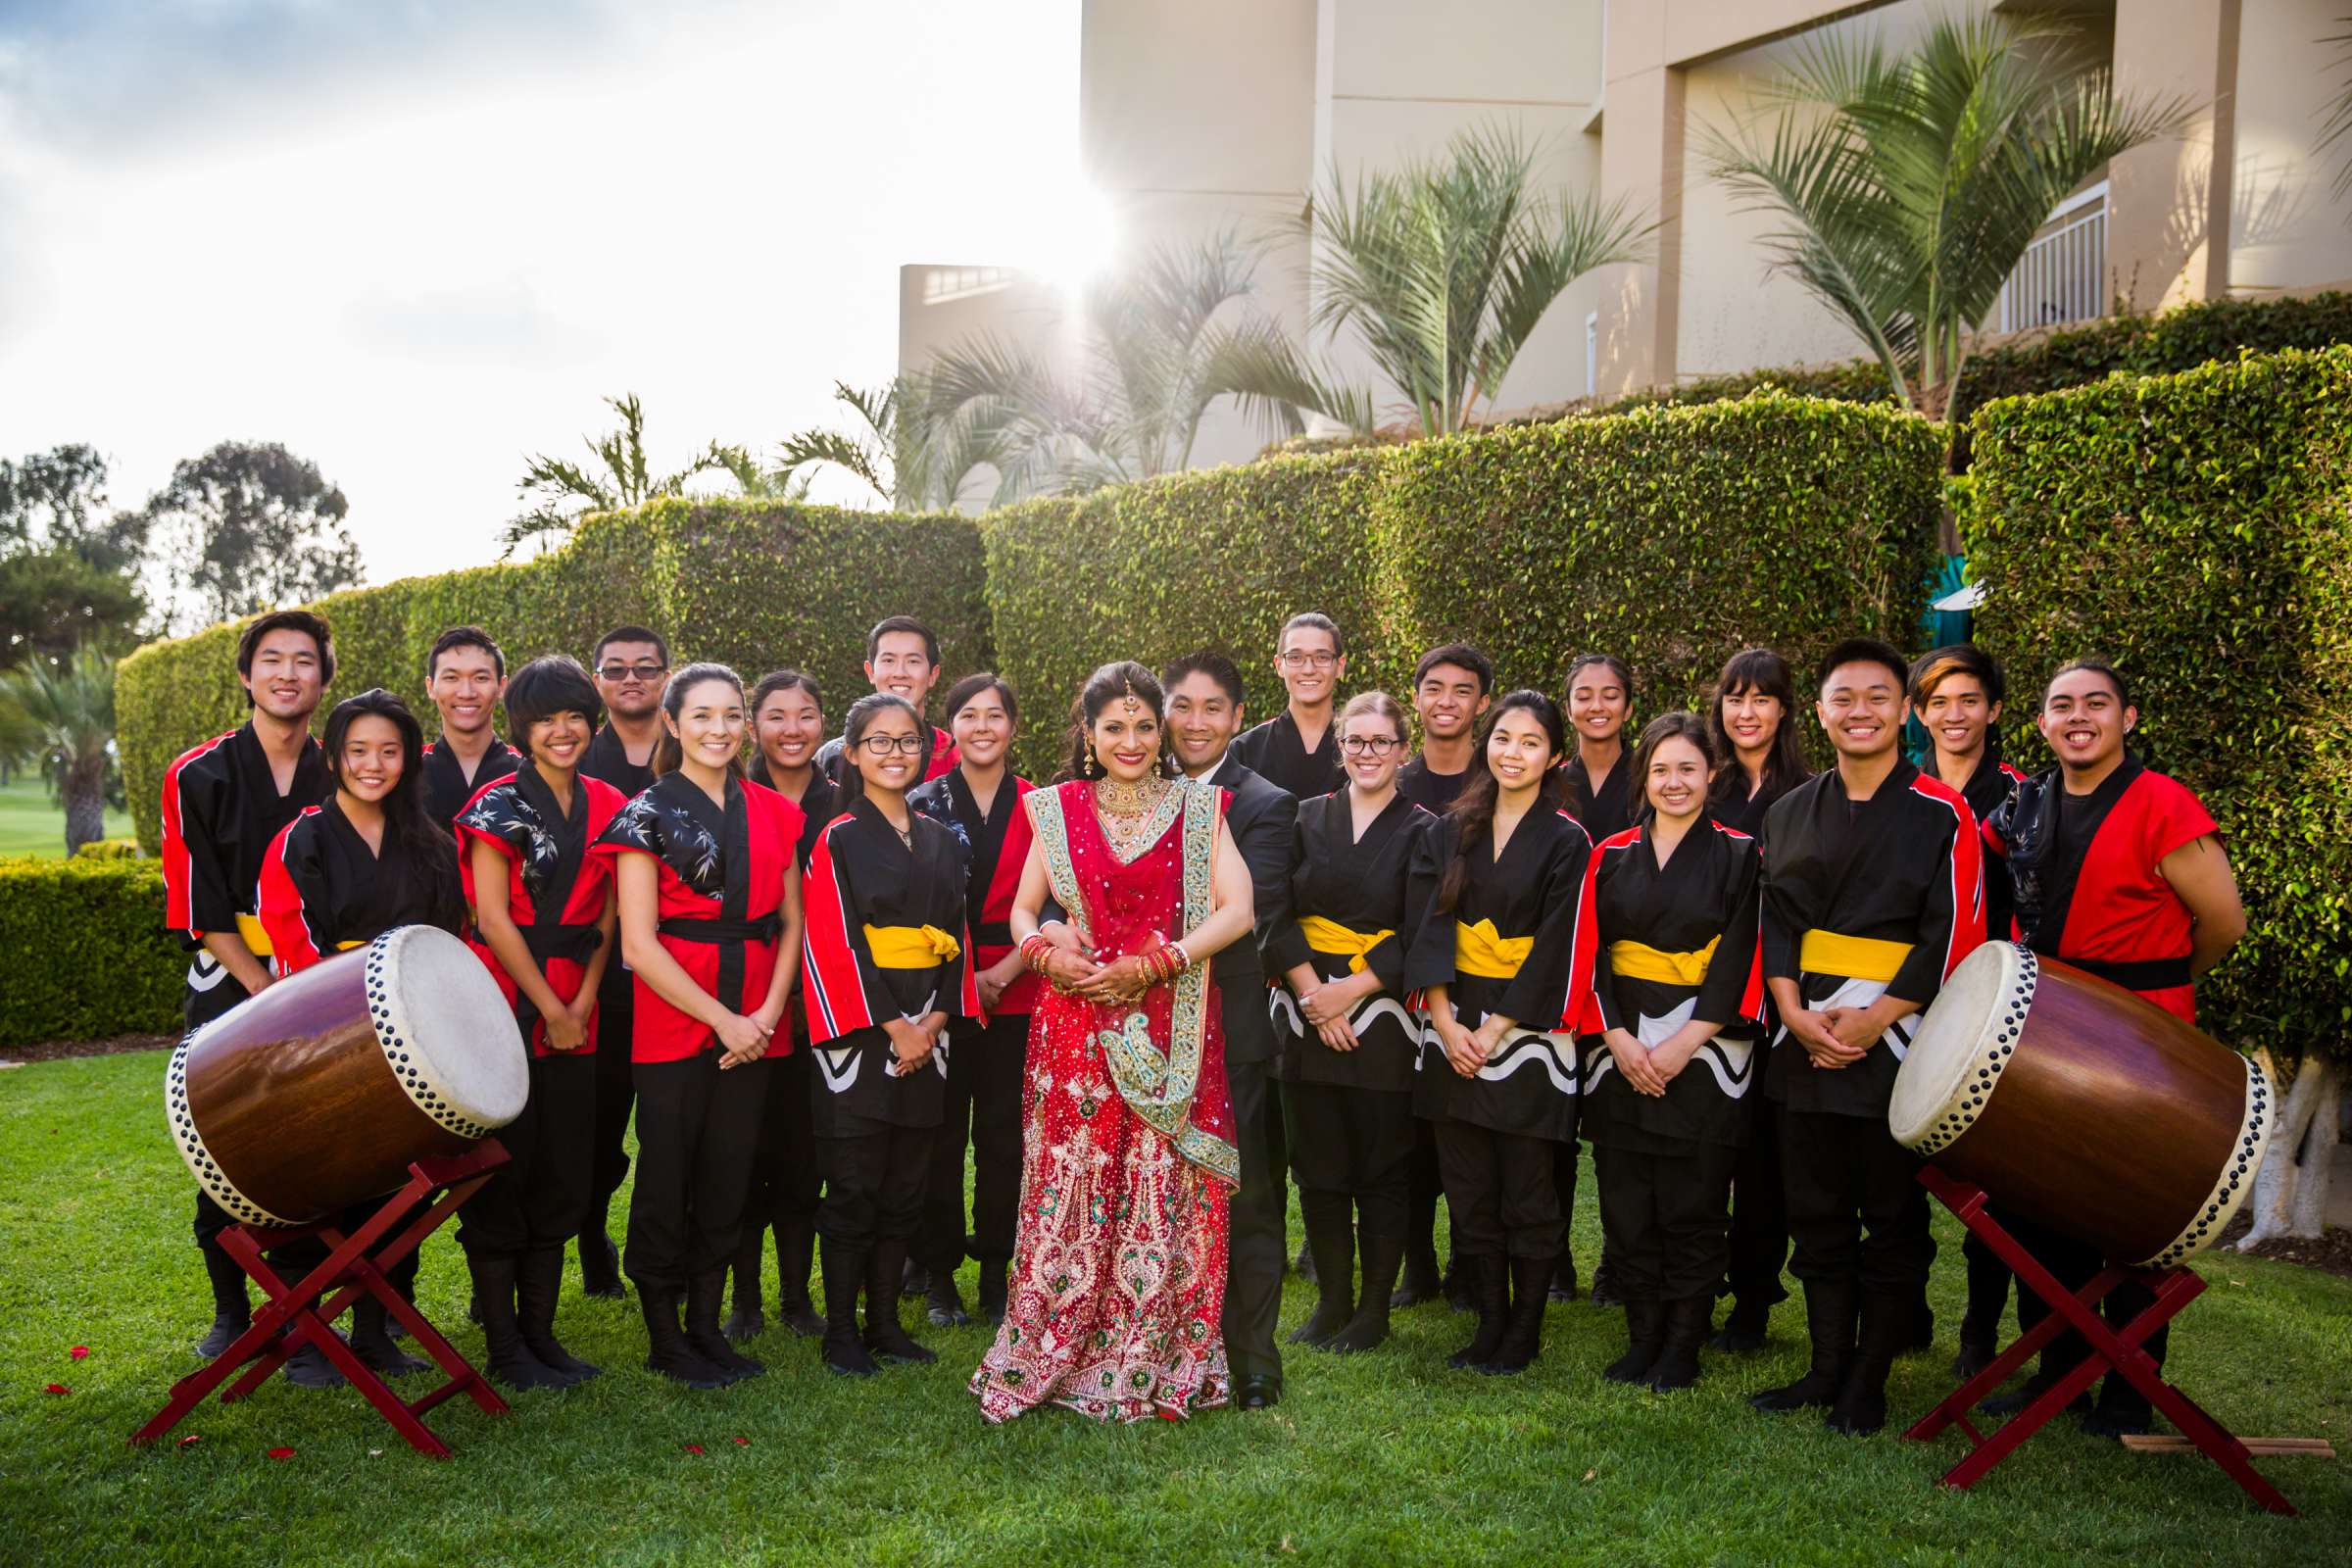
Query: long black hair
x=668, y=752
x=1757, y=669
x=1473, y=811
x=862, y=713
x=1120, y=679
x=428, y=862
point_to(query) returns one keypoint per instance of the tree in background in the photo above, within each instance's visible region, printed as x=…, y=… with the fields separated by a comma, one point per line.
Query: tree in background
x=1441, y=268
x=558, y=492
x=250, y=526
x=61, y=714
x=1165, y=341
x=68, y=565
x=912, y=453
x=1910, y=185
x=2336, y=129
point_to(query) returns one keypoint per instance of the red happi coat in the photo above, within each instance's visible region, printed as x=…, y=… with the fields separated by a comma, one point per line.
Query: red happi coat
x=547, y=860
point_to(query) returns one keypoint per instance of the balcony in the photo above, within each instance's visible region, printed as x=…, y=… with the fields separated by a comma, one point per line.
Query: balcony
x=2063, y=275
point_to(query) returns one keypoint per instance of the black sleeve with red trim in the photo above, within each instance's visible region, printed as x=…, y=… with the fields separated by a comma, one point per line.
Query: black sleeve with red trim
x=1554, y=989
x=198, y=890
x=1733, y=990
x=1951, y=916
x=1607, y=1011
x=841, y=989
x=293, y=897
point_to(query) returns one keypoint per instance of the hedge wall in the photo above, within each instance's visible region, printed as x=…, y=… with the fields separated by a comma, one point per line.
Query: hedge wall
x=2198, y=530
x=1668, y=536
x=90, y=954
x=753, y=583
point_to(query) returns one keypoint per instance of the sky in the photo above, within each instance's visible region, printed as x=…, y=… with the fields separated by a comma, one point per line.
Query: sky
x=419, y=240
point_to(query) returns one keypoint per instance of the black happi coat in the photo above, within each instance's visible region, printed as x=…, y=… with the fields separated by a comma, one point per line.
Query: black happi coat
x=1275, y=752
x=322, y=889
x=1432, y=792
x=608, y=759
x=1380, y=882
x=221, y=812
x=447, y=789
x=816, y=804
x=1707, y=891
x=1987, y=791
x=1902, y=866
x=862, y=875
x=1608, y=809
x=1540, y=888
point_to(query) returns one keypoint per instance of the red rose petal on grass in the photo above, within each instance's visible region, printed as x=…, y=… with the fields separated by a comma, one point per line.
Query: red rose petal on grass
x=79, y=1352
x=281, y=1454
x=694, y=1448
x=193, y=1437
x=743, y=1441
x=55, y=1388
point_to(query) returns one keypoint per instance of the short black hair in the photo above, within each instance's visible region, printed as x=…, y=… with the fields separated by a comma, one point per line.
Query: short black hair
x=2094, y=666
x=1863, y=650
x=309, y=622
x=1957, y=659
x=1206, y=661
x=464, y=637
x=900, y=623
x=552, y=684
x=1312, y=620
x=1461, y=655
x=972, y=685
x=630, y=634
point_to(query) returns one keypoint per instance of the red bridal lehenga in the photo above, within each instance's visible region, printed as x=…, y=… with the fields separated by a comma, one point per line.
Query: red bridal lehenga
x=1128, y=1163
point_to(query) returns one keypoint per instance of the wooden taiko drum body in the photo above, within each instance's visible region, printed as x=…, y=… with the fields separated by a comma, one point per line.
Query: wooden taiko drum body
x=2090, y=1110
x=317, y=1093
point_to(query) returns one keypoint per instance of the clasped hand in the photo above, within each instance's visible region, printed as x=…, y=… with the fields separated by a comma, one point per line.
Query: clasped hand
x=1833, y=1037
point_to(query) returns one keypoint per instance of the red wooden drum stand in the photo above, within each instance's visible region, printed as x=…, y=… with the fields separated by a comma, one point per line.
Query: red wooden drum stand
x=300, y=1313
x=2116, y=1349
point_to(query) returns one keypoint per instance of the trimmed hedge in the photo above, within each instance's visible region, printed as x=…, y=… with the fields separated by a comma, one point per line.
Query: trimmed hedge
x=92, y=957
x=769, y=583
x=1672, y=537
x=2197, y=531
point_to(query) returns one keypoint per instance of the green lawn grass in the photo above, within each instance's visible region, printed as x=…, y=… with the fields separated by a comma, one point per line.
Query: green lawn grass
x=30, y=823
x=1369, y=1460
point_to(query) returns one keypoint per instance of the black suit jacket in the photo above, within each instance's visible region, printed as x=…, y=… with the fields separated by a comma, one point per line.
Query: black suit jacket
x=1260, y=820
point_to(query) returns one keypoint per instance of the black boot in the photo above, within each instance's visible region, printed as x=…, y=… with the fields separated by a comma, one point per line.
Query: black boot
x=1331, y=1246
x=1382, y=1257
x=1829, y=1307
x=1490, y=1283
x=309, y=1368
x=845, y=1271
x=914, y=1278
x=1919, y=1328
x=600, y=1266
x=886, y=1337
x=1889, y=1318
x=538, y=1282
x=703, y=1293
x=374, y=1345
x=992, y=1291
x=1523, y=1331
x=1458, y=1292
x=2122, y=1411
x=1743, y=1326
x=943, y=1304
x=1677, y=1365
x=1645, y=1338
x=1980, y=1324
x=1563, y=1279
x=796, y=1248
x=1422, y=1281
x=669, y=1354
x=232, y=1313
x=510, y=1360
x=748, y=1320
x=1604, y=1293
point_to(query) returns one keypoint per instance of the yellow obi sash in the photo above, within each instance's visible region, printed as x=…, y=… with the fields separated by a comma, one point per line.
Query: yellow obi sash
x=911, y=947
x=1637, y=962
x=256, y=939
x=1854, y=958
x=1480, y=949
x=1330, y=937
x=346, y=947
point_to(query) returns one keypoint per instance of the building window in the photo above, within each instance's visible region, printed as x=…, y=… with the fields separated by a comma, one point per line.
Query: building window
x=944, y=283
x=1592, y=354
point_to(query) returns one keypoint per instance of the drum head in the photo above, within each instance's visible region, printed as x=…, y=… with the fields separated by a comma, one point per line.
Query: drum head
x=446, y=1030
x=1947, y=1068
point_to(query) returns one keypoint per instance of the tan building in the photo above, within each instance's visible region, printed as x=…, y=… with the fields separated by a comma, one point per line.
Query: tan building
x=1223, y=114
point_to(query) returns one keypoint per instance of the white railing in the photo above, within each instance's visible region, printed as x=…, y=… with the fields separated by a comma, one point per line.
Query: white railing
x=2062, y=274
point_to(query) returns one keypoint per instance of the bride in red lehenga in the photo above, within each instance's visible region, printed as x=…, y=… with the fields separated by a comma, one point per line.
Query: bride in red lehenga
x=1128, y=1162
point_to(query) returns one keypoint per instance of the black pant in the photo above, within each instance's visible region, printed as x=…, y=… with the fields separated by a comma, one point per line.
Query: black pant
x=1350, y=1148
x=1856, y=1211
x=1759, y=1244
x=1259, y=1242
x=198, y=1007
x=874, y=1173
x=1423, y=1188
x=615, y=1090
x=2074, y=1262
x=1563, y=1181
x=540, y=1198
x=784, y=1170
x=985, y=1069
x=697, y=1131
x=1665, y=1219
x=1502, y=1191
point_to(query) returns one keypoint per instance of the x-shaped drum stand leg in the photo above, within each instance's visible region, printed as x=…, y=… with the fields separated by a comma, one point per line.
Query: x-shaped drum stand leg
x=297, y=1314
x=2116, y=1349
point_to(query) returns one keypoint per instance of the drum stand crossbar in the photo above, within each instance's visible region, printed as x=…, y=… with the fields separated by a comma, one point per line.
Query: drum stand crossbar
x=2111, y=1350
x=294, y=1315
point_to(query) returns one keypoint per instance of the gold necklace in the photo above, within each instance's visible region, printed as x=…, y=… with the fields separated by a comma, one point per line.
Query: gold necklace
x=1126, y=812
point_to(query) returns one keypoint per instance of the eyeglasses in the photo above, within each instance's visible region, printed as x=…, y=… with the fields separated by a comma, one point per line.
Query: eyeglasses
x=1296, y=658
x=1377, y=745
x=904, y=744
x=624, y=671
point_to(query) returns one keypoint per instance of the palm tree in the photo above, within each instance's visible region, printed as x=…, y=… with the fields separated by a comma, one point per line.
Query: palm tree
x=2338, y=127
x=63, y=713
x=1910, y=185
x=562, y=492
x=915, y=453
x=1443, y=268
x=1161, y=347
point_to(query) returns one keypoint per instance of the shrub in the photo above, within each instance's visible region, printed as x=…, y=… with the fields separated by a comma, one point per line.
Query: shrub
x=108, y=850
x=91, y=955
x=2198, y=530
x=769, y=583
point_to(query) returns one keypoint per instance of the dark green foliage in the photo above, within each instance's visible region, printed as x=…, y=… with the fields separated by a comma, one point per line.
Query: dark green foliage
x=93, y=958
x=2197, y=531
x=772, y=583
